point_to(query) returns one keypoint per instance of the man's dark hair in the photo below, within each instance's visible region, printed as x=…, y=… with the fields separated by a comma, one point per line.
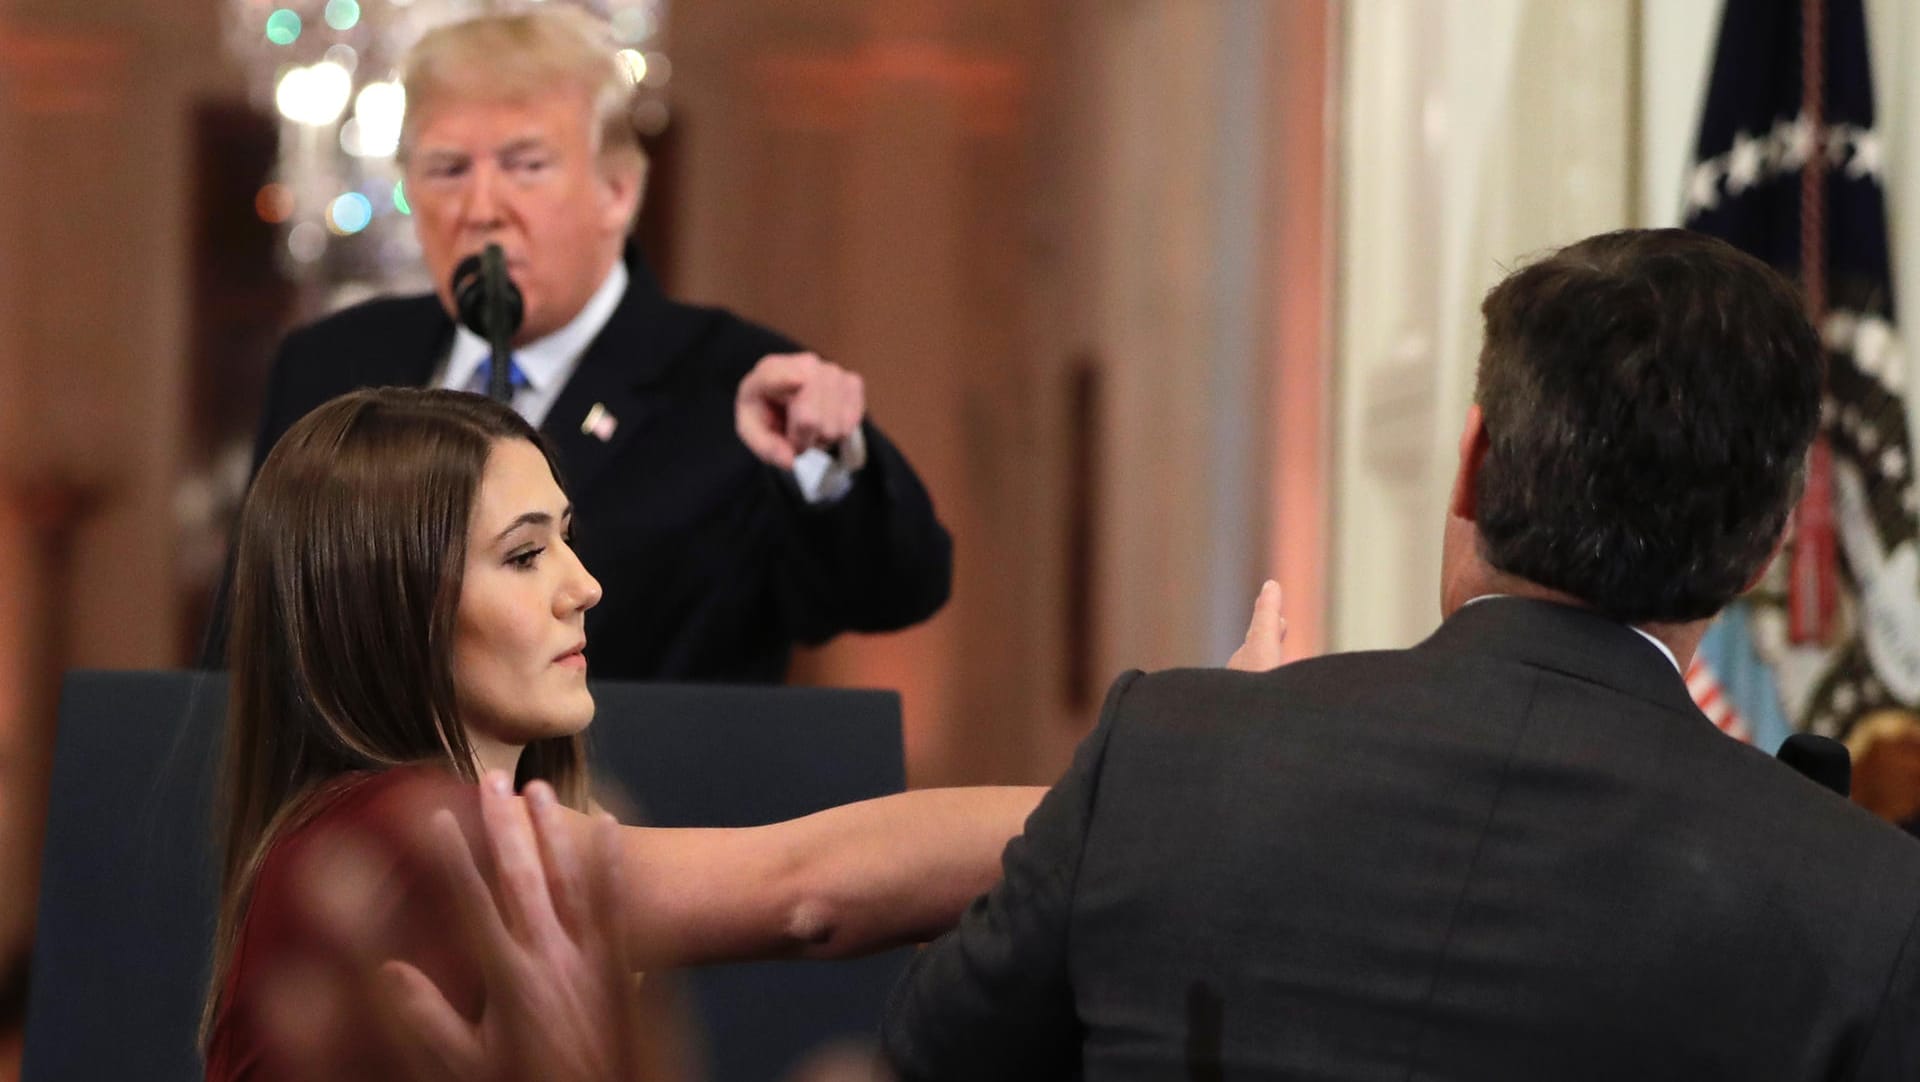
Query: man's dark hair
x=1649, y=397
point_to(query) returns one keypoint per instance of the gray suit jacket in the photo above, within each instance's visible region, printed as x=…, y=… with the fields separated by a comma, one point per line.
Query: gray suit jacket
x=1516, y=851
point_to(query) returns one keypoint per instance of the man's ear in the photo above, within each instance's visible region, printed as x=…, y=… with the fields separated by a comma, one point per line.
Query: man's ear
x=1466, y=478
x=625, y=183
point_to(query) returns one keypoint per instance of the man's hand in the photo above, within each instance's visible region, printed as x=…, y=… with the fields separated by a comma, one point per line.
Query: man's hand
x=560, y=993
x=794, y=402
x=1265, y=633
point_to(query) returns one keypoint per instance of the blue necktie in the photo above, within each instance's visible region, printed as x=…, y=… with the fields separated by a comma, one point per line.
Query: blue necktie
x=482, y=376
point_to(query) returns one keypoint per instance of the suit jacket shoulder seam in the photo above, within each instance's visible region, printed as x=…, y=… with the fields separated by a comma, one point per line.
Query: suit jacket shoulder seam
x=1109, y=721
x=1466, y=884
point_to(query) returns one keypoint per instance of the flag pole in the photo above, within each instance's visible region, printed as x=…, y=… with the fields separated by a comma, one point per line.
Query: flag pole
x=1813, y=584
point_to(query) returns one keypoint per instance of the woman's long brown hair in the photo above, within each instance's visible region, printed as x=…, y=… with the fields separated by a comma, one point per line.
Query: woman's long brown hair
x=346, y=581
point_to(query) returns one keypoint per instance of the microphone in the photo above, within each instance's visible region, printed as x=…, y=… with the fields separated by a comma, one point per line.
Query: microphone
x=490, y=306
x=1819, y=759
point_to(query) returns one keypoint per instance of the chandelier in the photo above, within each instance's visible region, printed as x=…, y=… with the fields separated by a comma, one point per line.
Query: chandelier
x=329, y=70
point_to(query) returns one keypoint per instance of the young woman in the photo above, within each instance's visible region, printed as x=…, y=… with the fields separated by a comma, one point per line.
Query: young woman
x=407, y=613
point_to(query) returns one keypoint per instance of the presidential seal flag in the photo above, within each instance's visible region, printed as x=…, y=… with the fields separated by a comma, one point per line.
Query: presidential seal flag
x=1788, y=167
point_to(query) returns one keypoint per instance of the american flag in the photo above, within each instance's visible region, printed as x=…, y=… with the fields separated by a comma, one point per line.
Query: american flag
x=1714, y=701
x=1788, y=167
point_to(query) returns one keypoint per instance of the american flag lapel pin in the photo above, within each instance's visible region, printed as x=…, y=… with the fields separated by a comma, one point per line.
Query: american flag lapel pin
x=599, y=423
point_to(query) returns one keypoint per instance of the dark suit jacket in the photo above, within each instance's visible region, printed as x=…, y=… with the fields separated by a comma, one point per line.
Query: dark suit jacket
x=1516, y=851
x=712, y=564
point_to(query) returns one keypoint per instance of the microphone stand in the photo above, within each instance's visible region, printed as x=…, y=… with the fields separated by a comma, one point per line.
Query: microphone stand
x=493, y=271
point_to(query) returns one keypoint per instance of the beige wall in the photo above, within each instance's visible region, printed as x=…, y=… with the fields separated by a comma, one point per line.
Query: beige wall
x=1474, y=131
x=94, y=186
x=960, y=200
x=97, y=182
x=857, y=175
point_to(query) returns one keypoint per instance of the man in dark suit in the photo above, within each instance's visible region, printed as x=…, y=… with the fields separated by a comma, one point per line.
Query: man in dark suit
x=730, y=494
x=1517, y=850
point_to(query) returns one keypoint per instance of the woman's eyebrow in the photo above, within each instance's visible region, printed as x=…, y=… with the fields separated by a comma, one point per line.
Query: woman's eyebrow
x=531, y=518
x=534, y=518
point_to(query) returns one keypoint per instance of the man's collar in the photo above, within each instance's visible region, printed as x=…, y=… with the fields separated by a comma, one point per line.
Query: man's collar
x=1671, y=660
x=1643, y=633
x=546, y=361
x=1566, y=639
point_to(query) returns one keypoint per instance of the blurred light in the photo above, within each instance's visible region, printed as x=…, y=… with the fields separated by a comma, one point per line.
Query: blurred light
x=349, y=214
x=649, y=117
x=290, y=93
x=344, y=56
x=632, y=25
x=283, y=27
x=274, y=203
x=400, y=197
x=634, y=64
x=306, y=242
x=377, y=112
x=313, y=96
x=342, y=14
x=658, y=70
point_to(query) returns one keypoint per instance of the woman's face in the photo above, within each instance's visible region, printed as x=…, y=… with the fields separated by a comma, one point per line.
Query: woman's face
x=518, y=671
